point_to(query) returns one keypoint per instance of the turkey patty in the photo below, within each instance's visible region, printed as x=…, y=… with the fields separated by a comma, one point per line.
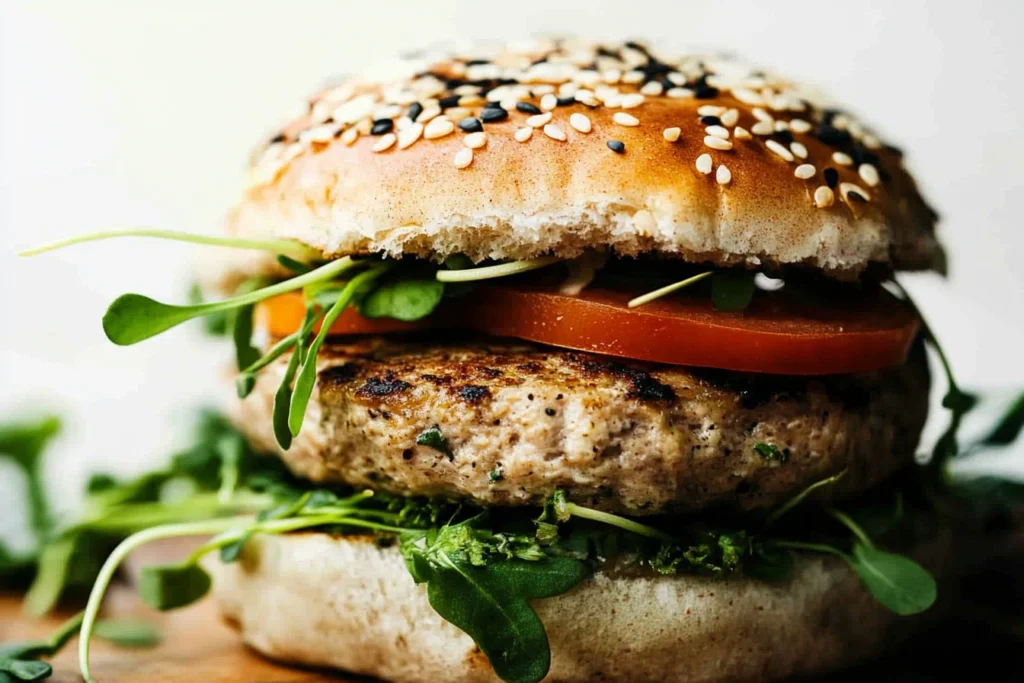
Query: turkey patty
x=520, y=421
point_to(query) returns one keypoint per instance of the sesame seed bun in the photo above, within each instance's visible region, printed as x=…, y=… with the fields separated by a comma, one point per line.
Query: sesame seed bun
x=614, y=147
x=346, y=603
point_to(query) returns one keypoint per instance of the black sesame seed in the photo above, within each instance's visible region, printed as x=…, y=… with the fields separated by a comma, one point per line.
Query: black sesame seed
x=705, y=92
x=831, y=177
x=280, y=137
x=477, y=62
x=492, y=114
x=471, y=124
x=711, y=120
x=415, y=109
x=550, y=412
x=492, y=104
x=449, y=101
x=783, y=136
x=616, y=146
x=832, y=136
x=566, y=101
x=382, y=126
x=528, y=108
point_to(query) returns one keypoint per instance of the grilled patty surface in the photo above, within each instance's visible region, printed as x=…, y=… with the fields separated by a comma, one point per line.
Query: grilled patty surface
x=520, y=421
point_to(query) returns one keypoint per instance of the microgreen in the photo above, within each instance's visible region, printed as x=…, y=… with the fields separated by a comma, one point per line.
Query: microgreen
x=406, y=299
x=240, y=322
x=496, y=271
x=781, y=510
x=667, y=289
x=433, y=438
x=284, y=246
x=770, y=451
x=297, y=267
x=283, y=395
x=24, y=443
x=732, y=290
x=133, y=318
x=1009, y=426
x=128, y=633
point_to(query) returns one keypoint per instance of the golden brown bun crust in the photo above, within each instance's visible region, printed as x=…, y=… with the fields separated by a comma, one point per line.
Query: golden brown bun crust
x=348, y=604
x=518, y=200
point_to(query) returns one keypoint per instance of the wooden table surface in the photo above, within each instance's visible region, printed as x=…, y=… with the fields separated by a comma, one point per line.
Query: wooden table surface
x=197, y=646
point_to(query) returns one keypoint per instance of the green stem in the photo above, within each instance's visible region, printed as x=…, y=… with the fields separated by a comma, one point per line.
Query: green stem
x=799, y=498
x=616, y=521
x=848, y=522
x=813, y=547
x=39, y=508
x=667, y=289
x=500, y=270
x=99, y=588
x=279, y=246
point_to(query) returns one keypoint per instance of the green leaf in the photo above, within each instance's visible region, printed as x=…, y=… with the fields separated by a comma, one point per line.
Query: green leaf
x=214, y=324
x=306, y=379
x=25, y=443
x=51, y=577
x=899, y=583
x=25, y=669
x=240, y=321
x=1009, y=426
x=491, y=604
x=433, y=438
x=166, y=587
x=297, y=267
x=129, y=633
x=283, y=402
x=732, y=290
x=133, y=318
x=403, y=299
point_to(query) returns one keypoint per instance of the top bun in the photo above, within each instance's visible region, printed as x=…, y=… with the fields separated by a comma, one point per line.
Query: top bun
x=555, y=147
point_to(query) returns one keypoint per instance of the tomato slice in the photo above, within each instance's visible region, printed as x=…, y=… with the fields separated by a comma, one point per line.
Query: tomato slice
x=775, y=334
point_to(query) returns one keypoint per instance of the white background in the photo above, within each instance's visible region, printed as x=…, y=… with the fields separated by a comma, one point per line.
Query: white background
x=142, y=113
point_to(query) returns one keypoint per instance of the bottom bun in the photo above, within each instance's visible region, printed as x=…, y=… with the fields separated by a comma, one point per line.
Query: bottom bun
x=344, y=602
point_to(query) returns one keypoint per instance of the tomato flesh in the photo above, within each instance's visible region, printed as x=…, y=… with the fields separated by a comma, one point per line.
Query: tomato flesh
x=773, y=335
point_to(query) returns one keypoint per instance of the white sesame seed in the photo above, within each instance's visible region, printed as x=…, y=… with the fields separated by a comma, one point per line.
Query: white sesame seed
x=548, y=102
x=824, y=197
x=747, y=96
x=846, y=188
x=321, y=133
x=761, y=114
x=523, y=134
x=710, y=110
x=611, y=76
x=624, y=119
x=403, y=123
x=799, y=126
x=762, y=128
x=427, y=114
x=349, y=136
x=463, y=158
x=438, y=128
x=586, y=97
x=471, y=100
x=652, y=88
x=676, y=78
x=869, y=174
x=632, y=76
x=538, y=120
x=671, y=134
x=385, y=142
x=842, y=158
x=741, y=133
x=554, y=132
x=580, y=122
x=871, y=141
x=475, y=140
x=777, y=147
x=542, y=89
x=679, y=93
x=704, y=163
x=798, y=149
x=633, y=99
x=410, y=135
x=730, y=117
x=805, y=171
x=718, y=132
x=723, y=175
x=716, y=142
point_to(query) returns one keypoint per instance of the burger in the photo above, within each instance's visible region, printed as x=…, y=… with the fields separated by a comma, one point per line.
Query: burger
x=572, y=362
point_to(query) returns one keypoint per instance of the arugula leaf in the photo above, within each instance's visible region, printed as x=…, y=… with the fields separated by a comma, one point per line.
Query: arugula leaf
x=405, y=299
x=490, y=603
x=433, y=438
x=899, y=583
x=283, y=395
x=169, y=586
x=732, y=290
